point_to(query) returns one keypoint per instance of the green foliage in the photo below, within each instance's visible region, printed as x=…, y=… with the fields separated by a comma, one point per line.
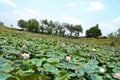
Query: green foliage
x=49, y=30
x=62, y=75
x=94, y=77
x=51, y=68
x=33, y=25
x=70, y=28
x=2, y=61
x=74, y=29
x=113, y=36
x=1, y=23
x=50, y=27
x=53, y=60
x=118, y=33
x=48, y=62
x=112, y=43
x=4, y=76
x=78, y=29
x=4, y=69
x=93, y=31
x=22, y=24
x=25, y=73
x=7, y=68
x=35, y=61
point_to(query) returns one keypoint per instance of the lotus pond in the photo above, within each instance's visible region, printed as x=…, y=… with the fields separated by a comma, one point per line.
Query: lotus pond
x=28, y=57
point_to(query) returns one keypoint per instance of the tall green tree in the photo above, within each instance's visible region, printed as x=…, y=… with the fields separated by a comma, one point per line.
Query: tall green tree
x=118, y=32
x=42, y=28
x=62, y=29
x=44, y=22
x=22, y=24
x=50, y=26
x=78, y=30
x=115, y=36
x=49, y=30
x=57, y=28
x=33, y=25
x=93, y=31
x=71, y=28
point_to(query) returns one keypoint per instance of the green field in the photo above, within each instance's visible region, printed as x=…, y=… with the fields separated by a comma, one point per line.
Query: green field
x=89, y=58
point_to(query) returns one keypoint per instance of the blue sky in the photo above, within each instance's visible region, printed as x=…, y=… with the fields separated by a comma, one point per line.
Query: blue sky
x=88, y=13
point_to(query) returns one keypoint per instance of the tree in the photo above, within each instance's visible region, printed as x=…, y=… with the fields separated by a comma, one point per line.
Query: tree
x=113, y=36
x=49, y=30
x=93, y=31
x=47, y=25
x=118, y=32
x=33, y=25
x=1, y=23
x=62, y=29
x=50, y=26
x=71, y=28
x=45, y=22
x=57, y=28
x=78, y=29
x=22, y=24
x=42, y=28
x=11, y=25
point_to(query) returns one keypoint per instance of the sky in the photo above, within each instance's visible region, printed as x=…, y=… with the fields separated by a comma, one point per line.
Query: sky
x=88, y=13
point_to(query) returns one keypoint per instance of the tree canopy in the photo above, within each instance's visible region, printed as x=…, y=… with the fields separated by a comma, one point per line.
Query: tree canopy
x=1, y=23
x=22, y=23
x=50, y=27
x=93, y=31
x=33, y=25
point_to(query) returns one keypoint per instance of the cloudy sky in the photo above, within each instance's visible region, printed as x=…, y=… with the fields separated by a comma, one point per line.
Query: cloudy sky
x=88, y=13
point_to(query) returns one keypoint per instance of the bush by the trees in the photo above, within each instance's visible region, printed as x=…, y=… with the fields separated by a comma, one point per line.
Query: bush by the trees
x=22, y=23
x=1, y=23
x=93, y=31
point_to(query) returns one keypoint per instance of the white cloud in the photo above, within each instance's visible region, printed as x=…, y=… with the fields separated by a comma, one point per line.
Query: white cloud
x=107, y=28
x=70, y=20
x=3, y=16
x=27, y=13
x=117, y=19
x=9, y=2
x=95, y=6
x=82, y=3
x=72, y=5
x=30, y=11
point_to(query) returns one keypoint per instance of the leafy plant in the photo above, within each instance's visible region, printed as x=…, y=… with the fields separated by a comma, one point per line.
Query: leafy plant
x=47, y=59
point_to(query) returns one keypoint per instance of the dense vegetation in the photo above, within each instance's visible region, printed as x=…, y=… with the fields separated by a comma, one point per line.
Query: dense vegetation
x=63, y=29
x=25, y=55
x=1, y=23
x=93, y=31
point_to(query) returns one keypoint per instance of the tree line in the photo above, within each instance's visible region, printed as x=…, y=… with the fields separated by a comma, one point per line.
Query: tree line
x=57, y=28
x=63, y=29
x=50, y=27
